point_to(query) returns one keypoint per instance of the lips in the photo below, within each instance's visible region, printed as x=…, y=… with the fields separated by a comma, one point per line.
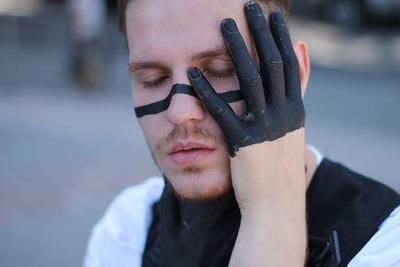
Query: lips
x=189, y=153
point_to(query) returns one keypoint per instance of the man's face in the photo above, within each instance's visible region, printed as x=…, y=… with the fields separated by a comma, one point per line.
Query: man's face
x=165, y=39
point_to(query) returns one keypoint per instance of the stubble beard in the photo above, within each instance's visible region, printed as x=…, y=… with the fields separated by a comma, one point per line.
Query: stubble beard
x=198, y=134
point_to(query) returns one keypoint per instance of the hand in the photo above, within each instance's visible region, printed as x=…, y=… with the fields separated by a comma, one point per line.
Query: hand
x=266, y=143
x=270, y=135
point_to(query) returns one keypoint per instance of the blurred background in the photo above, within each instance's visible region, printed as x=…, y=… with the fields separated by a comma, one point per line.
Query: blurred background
x=69, y=139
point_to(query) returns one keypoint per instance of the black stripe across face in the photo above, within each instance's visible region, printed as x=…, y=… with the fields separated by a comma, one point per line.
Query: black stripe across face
x=162, y=105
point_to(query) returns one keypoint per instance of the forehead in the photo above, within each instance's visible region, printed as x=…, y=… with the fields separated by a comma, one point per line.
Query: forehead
x=160, y=29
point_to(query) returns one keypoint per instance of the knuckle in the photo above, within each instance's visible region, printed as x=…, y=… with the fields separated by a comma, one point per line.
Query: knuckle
x=275, y=65
x=221, y=111
x=254, y=80
x=272, y=68
x=273, y=62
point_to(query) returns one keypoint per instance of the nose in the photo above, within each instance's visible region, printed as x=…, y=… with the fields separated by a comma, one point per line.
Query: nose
x=185, y=110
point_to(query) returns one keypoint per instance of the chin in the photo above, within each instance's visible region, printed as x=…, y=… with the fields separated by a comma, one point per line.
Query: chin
x=194, y=184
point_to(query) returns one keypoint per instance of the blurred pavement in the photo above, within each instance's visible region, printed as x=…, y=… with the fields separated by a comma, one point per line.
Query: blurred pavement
x=65, y=152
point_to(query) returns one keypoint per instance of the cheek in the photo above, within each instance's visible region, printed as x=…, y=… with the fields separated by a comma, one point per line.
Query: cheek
x=149, y=124
x=143, y=96
x=239, y=107
x=137, y=95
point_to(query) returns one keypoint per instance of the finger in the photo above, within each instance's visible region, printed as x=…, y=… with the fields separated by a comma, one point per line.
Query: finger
x=222, y=113
x=290, y=63
x=296, y=113
x=248, y=76
x=271, y=66
x=215, y=105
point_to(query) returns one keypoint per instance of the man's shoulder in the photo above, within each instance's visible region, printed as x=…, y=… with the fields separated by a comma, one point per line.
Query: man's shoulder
x=120, y=235
x=146, y=192
x=133, y=205
x=336, y=177
x=341, y=200
x=345, y=191
x=383, y=249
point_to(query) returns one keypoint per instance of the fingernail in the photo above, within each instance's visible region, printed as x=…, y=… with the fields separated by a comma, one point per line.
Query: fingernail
x=229, y=25
x=194, y=73
x=254, y=8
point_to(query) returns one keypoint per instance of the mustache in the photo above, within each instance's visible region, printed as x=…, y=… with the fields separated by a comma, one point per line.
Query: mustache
x=195, y=132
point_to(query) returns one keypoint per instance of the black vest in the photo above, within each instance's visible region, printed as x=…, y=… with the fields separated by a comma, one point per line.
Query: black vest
x=344, y=210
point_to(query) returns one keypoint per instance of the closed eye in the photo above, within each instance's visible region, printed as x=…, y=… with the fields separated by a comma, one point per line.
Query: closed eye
x=155, y=83
x=220, y=74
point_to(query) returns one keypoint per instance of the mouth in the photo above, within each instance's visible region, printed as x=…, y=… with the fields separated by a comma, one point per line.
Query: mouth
x=189, y=153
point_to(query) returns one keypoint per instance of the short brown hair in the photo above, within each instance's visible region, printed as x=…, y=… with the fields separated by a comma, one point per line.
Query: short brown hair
x=282, y=6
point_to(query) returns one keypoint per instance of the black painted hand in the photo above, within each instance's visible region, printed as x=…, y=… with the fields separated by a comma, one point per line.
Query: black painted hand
x=272, y=95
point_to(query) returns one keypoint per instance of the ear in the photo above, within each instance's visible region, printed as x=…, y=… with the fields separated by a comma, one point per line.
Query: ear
x=300, y=48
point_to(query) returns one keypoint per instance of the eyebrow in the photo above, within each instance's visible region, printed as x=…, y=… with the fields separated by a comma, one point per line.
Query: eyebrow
x=219, y=50
x=134, y=66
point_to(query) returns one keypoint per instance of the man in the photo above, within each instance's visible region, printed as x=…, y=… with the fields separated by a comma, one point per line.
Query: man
x=241, y=185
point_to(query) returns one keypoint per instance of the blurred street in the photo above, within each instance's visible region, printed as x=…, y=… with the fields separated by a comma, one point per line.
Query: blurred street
x=66, y=151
